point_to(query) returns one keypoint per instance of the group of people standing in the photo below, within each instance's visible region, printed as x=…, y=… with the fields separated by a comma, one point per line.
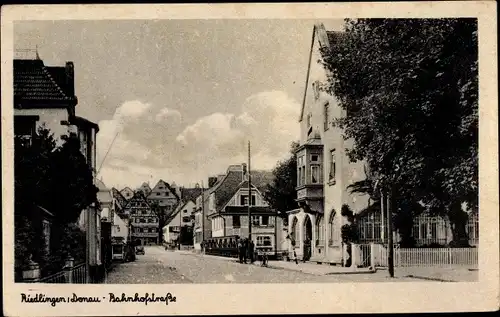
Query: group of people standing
x=246, y=249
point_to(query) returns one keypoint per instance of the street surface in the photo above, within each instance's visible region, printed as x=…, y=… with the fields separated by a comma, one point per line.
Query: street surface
x=158, y=266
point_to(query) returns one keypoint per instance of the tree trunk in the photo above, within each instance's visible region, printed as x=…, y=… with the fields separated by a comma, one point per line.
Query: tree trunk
x=458, y=219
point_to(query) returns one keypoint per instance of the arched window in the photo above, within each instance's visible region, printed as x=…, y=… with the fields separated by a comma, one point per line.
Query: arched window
x=294, y=234
x=331, y=227
x=320, y=231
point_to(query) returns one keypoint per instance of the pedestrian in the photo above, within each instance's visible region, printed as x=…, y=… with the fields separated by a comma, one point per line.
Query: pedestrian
x=240, y=250
x=251, y=249
x=245, y=250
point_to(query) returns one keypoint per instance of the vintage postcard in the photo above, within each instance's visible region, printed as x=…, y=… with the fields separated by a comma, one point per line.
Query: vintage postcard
x=249, y=158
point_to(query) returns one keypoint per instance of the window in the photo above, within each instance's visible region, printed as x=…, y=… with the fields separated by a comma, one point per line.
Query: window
x=315, y=174
x=236, y=222
x=301, y=171
x=186, y=219
x=264, y=220
x=314, y=157
x=255, y=220
x=332, y=165
x=185, y=211
x=264, y=241
x=326, y=115
x=153, y=230
x=331, y=223
x=244, y=200
x=142, y=220
x=157, y=194
x=320, y=231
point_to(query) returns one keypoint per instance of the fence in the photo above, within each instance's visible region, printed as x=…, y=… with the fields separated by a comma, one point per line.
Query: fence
x=70, y=275
x=425, y=257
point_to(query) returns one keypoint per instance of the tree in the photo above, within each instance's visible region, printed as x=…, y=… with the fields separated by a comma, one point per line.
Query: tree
x=59, y=180
x=409, y=88
x=281, y=193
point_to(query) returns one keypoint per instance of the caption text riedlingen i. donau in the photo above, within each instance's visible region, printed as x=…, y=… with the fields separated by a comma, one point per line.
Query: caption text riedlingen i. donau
x=111, y=298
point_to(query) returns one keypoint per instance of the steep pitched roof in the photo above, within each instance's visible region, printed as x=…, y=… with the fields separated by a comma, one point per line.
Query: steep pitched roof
x=167, y=185
x=190, y=193
x=176, y=212
x=321, y=34
x=118, y=197
x=33, y=81
x=260, y=179
x=226, y=189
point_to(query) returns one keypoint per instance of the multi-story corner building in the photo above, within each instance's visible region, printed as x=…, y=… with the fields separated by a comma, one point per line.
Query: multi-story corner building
x=324, y=173
x=231, y=215
x=143, y=220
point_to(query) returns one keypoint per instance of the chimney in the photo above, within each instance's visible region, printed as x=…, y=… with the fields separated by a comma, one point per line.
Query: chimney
x=244, y=170
x=211, y=181
x=70, y=78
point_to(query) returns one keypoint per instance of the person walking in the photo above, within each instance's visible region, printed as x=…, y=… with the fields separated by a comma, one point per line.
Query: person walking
x=251, y=249
x=240, y=250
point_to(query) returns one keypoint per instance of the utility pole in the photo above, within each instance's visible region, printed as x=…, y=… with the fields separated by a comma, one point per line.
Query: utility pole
x=249, y=197
x=390, y=258
x=202, y=217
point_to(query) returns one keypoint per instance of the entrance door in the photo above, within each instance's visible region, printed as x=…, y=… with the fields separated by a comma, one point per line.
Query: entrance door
x=307, y=238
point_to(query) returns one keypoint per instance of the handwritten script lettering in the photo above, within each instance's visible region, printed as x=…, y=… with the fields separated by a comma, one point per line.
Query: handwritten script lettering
x=147, y=298
x=113, y=298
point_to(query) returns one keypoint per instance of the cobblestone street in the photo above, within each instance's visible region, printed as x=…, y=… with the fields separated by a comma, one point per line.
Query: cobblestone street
x=158, y=266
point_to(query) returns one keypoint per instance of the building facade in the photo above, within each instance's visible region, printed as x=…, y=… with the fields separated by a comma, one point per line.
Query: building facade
x=232, y=218
x=324, y=173
x=323, y=169
x=45, y=96
x=143, y=220
x=127, y=193
x=182, y=217
x=121, y=224
x=164, y=196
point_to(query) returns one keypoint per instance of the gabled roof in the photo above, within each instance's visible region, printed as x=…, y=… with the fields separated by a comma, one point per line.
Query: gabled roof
x=322, y=35
x=226, y=189
x=167, y=185
x=33, y=81
x=118, y=197
x=259, y=180
x=190, y=193
x=138, y=195
x=176, y=211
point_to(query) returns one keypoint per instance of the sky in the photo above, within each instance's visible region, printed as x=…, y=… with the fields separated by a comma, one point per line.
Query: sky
x=182, y=98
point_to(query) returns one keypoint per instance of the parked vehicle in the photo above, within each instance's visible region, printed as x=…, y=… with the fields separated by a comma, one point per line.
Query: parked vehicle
x=119, y=252
x=139, y=250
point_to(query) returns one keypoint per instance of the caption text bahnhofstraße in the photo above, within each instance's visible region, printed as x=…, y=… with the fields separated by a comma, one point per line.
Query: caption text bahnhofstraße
x=111, y=298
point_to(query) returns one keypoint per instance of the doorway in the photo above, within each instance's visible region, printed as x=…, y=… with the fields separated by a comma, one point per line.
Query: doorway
x=307, y=238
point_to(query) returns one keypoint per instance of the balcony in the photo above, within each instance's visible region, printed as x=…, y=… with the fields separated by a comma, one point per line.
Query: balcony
x=145, y=234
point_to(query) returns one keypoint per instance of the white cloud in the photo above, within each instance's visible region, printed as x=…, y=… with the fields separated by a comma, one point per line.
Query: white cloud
x=152, y=143
x=168, y=114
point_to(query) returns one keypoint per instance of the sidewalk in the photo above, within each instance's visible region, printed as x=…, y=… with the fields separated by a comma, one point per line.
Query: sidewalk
x=442, y=274
x=308, y=267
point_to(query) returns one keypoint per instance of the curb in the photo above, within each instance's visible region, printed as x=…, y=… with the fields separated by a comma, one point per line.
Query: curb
x=430, y=278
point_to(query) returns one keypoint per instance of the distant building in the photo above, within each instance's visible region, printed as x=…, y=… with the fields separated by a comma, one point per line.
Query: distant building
x=120, y=230
x=231, y=215
x=144, y=221
x=165, y=196
x=127, y=193
x=145, y=189
x=181, y=217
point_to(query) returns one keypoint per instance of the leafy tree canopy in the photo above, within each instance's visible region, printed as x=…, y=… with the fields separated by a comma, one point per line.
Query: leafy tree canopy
x=410, y=91
x=281, y=193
